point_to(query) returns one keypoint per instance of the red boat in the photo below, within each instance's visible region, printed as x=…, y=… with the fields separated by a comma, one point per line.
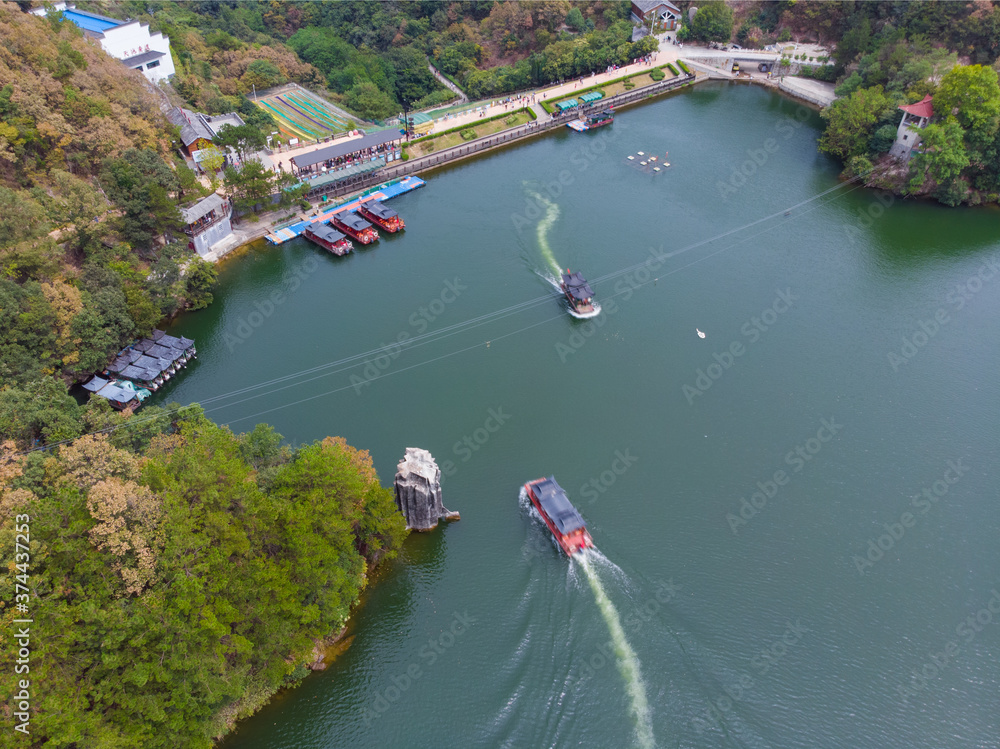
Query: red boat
x=382, y=215
x=559, y=514
x=354, y=226
x=328, y=238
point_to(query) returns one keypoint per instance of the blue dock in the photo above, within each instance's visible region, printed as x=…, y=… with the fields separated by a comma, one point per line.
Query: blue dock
x=384, y=192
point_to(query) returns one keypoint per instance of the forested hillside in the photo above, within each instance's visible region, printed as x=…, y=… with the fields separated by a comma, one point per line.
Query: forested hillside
x=180, y=574
x=86, y=184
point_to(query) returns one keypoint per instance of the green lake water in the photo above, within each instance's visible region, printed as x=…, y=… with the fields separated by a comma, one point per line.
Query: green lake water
x=848, y=377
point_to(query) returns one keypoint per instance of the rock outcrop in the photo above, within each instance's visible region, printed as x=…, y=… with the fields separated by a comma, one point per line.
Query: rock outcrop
x=418, y=491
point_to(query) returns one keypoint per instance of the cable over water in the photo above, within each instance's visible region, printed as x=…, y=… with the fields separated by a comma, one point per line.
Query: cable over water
x=628, y=663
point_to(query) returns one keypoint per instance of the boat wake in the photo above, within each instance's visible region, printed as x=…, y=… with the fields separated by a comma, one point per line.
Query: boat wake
x=628, y=662
x=542, y=230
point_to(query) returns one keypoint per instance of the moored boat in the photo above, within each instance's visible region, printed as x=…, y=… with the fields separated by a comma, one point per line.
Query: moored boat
x=355, y=227
x=559, y=515
x=328, y=238
x=382, y=215
x=592, y=120
x=578, y=293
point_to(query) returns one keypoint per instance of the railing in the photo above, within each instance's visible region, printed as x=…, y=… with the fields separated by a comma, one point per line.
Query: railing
x=454, y=153
x=199, y=228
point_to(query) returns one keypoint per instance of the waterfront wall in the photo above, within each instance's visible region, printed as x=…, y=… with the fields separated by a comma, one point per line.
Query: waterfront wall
x=448, y=155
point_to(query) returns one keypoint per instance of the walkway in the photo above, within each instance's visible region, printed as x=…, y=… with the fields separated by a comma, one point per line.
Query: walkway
x=462, y=98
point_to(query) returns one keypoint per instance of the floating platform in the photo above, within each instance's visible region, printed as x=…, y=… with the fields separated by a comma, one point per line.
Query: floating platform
x=648, y=164
x=384, y=192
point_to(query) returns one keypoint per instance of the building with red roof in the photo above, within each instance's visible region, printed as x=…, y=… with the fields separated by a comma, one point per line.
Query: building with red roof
x=915, y=118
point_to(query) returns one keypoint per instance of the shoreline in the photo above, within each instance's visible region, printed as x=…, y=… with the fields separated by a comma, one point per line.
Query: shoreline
x=497, y=141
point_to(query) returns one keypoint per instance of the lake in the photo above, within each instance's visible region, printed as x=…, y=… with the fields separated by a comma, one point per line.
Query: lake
x=795, y=516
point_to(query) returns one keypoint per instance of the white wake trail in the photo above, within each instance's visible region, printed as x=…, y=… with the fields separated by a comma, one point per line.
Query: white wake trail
x=628, y=663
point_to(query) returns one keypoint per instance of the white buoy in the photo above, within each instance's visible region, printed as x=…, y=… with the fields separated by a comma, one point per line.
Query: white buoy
x=643, y=163
x=700, y=334
x=631, y=158
x=642, y=153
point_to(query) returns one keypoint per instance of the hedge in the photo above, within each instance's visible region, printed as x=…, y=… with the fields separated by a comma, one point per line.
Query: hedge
x=683, y=67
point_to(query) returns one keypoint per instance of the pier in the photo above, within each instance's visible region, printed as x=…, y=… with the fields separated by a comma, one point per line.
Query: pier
x=383, y=192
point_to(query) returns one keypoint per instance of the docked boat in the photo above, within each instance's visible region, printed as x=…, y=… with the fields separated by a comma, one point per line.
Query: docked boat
x=578, y=293
x=328, y=238
x=382, y=216
x=592, y=120
x=355, y=227
x=559, y=514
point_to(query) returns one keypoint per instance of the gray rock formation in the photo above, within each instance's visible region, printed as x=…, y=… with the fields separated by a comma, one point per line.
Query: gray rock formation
x=418, y=491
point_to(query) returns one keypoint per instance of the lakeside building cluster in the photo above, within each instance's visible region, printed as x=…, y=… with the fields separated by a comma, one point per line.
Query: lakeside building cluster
x=140, y=369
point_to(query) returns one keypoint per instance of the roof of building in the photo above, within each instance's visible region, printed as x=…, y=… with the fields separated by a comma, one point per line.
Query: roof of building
x=557, y=506
x=202, y=208
x=922, y=108
x=191, y=125
x=577, y=286
x=342, y=149
x=143, y=58
x=92, y=22
x=647, y=5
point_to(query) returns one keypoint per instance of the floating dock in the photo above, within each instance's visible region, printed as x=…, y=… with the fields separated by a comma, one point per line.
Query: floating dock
x=385, y=192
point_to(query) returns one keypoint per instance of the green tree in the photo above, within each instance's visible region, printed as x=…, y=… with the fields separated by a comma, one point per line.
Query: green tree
x=244, y=139
x=851, y=121
x=369, y=102
x=201, y=278
x=713, y=22
x=942, y=157
x=40, y=411
x=140, y=183
x=249, y=185
x=574, y=19
x=971, y=94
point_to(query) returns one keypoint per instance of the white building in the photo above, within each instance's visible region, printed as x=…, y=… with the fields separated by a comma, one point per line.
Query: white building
x=129, y=41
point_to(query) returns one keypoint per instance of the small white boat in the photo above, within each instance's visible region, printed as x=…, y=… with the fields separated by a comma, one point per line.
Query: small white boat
x=700, y=334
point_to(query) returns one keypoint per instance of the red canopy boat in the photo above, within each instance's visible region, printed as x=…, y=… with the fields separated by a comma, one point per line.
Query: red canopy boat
x=382, y=215
x=559, y=514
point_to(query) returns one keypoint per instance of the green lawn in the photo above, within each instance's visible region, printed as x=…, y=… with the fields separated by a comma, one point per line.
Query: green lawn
x=441, y=142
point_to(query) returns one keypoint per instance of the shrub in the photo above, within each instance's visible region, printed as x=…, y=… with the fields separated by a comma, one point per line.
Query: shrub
x=672, y=69
x=468, y=134
x=628, y=85
x=657, y=74
x=405, y=156
x=682, y=66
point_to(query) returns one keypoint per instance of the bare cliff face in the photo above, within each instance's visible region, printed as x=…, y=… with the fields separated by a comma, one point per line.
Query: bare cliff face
x=418, y=491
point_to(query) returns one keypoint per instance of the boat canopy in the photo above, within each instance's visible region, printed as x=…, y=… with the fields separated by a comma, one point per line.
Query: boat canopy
x=165, y=352
x=95, y=384
x=325, y=232
x=381, y=210
x=133, y=372
x=353, y=221
x=577, y=286
x=116, y=393
x=557, y=506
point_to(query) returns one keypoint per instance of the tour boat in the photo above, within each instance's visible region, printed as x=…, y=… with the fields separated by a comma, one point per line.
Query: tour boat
x=559, y=514
x=382, y=215
x=354, y=226
x=328, y=238
x=578, y=293
x=595, y=119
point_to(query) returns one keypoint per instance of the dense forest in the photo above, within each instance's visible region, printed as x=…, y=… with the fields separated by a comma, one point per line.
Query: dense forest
x=372, y=57
x=180, y=574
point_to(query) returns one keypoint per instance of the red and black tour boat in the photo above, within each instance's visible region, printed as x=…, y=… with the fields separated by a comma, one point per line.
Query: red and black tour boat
x=578, y=293
x=328, y=238
x=382, y=215
x=559, y=514
x=354, y=226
